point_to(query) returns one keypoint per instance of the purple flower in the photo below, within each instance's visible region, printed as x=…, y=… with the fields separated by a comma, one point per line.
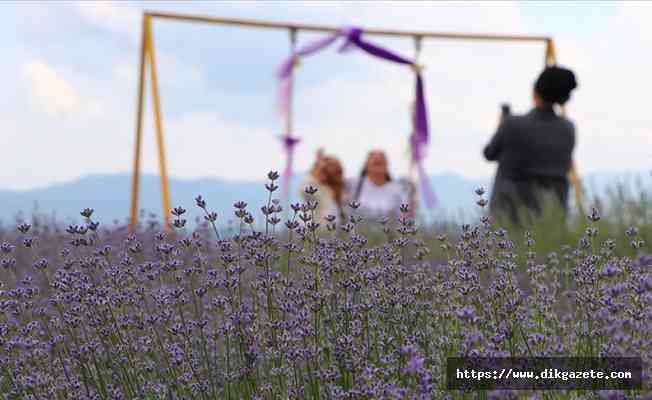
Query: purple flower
x=240, y=205
x=178, y=211
x=595, y=215
x=200, y=202
x=644, y=260
x=609, y=271
x=24, y=228
x=466, y=313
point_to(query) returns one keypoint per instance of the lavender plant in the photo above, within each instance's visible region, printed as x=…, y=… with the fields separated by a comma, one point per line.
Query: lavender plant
x=303, y=309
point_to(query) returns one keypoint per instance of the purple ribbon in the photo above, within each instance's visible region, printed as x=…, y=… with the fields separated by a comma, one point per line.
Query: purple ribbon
x=285, y=95
x=287, y=67
x=354, y=37
x=419, y=139
x=289, y=142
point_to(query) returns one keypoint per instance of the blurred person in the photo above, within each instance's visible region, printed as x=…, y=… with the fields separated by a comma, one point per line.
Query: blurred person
x=327, y=176
x=534, y=151
x=377, y=193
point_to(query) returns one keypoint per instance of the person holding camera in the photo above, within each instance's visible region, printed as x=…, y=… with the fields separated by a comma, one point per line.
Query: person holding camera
x=534, y=151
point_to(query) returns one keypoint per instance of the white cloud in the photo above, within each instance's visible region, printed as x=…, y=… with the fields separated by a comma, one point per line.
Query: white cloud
x=610, y=107
x=172, y=73
x=177, y=74
x=124, y=19
x=113, y=16
x=126, y=73
x=483, y=16
x=635, y=17
x=54, y=95
x=205, y=144
x=50, y=91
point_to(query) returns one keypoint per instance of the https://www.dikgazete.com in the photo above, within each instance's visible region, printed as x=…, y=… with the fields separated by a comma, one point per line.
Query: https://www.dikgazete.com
x=550, y=373
x=544, y=373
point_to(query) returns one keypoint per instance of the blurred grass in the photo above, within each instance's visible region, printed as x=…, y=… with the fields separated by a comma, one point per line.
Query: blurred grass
x=624, y=204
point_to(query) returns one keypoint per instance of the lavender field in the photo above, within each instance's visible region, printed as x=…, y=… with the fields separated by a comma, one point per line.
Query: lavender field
x=277, y=308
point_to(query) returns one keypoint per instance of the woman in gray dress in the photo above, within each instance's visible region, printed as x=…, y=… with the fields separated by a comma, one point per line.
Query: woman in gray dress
x=534, y=151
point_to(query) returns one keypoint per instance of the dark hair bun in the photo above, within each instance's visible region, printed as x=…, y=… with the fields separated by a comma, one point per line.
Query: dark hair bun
x=555, y=84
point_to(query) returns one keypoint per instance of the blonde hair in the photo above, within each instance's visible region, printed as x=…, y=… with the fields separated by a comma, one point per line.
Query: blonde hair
x=334, y=181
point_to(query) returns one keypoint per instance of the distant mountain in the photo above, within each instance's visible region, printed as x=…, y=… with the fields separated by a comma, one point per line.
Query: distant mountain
x=109, y=195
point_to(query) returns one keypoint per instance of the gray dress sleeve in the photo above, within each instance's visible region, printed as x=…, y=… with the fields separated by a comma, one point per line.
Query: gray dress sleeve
x=495, y=146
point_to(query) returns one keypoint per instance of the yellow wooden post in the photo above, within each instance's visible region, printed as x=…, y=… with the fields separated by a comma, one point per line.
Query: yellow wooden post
x=159, y=123
x=289, y=118
x=135, y=178
x=551, y=54
x=413, y=173
x=573, y=176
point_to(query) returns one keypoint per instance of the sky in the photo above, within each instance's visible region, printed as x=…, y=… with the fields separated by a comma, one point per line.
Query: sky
x=70, y=71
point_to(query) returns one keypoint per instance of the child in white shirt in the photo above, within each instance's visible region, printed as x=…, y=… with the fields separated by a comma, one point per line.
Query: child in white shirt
x=377, y=193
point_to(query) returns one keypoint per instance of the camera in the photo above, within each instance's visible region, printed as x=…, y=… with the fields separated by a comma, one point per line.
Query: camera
x=506, y=109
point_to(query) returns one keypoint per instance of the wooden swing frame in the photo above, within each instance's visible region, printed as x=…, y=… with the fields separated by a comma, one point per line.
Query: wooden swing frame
x=148, y=58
